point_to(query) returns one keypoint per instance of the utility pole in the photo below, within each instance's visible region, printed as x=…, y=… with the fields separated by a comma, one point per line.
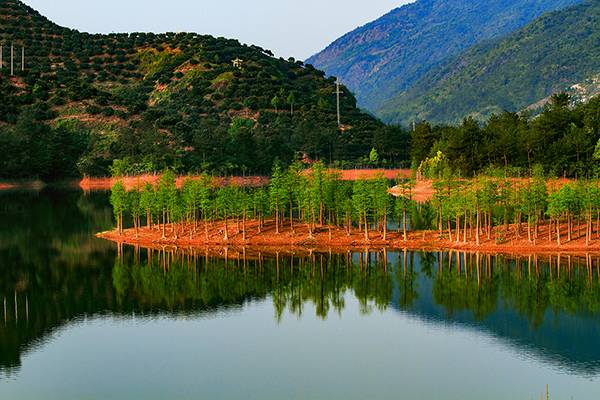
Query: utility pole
x=338, y=92
x=23, y=58
x=12, y=51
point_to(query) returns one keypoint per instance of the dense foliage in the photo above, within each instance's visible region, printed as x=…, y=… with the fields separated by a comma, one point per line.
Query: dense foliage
x=388, y=56
x=562, y=140
x=471, y=210
x=315, y=197
x=551, y=54
x=171, y=100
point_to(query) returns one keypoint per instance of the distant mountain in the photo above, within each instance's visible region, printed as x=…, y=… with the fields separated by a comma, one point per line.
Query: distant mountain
x=179, y=100
x=386, y=57
x=558, y=52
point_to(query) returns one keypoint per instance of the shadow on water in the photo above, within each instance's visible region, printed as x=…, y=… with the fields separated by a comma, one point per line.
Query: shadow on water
x=54, y=273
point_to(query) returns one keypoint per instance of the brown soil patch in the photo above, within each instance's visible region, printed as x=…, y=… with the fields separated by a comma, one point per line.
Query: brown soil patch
x=355, y=174
x=327, y=238
x=421, y=193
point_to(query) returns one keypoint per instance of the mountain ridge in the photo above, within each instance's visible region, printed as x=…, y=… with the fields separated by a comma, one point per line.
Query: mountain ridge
x=388, y=55
x=555, y=53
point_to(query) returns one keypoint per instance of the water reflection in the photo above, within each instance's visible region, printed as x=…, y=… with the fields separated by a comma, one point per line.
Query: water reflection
x=54, y=273
x=547, y=306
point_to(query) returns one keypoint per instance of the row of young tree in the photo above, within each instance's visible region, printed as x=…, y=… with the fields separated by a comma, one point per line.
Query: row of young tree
x=505, y=209
x=316, y=198
x=464, y=211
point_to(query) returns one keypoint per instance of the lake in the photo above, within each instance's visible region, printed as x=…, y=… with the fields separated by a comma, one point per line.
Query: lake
x=85, y=319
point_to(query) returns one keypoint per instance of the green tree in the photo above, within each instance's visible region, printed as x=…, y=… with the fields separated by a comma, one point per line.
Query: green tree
x=147, y=203
x=381, y=201
x=374, y=156
x=118, y=200
x=291, y=100
x=402, y=204
x=135, y=207
x=277, y=194
x=361, y=201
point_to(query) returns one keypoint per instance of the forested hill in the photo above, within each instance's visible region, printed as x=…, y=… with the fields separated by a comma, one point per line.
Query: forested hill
x=387, y=56
x=164, y=100
x=555, y=53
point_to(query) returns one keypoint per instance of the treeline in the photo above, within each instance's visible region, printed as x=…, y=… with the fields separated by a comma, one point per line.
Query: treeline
x=31, y=148
x=507, y=209
x=562, y=139
x=315, y=198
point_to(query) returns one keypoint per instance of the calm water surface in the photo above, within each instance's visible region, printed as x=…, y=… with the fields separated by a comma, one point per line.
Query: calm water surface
x=82, y=320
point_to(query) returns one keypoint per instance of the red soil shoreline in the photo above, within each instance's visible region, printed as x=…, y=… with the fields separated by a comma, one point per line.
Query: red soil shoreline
x=287, y=240
x=132, y=182
x=27, y=184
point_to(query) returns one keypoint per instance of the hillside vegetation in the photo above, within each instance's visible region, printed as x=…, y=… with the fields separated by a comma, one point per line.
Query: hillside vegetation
x=562, y=141
x=174, y=100
x=548, y=56
x=387, y=56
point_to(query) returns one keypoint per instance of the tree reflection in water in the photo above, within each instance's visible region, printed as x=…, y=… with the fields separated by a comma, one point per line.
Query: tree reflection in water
x=511, y=297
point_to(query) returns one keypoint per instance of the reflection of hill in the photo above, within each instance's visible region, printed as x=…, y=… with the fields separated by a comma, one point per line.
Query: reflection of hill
x=48, y=258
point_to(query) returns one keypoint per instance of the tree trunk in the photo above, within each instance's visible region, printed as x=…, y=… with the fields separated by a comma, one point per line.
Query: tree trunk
x=277, y=216
x=404, y=225
x=477, y=239
x=385, y=227
x=465, y=229
x=457, y=228
x=321, y=214
x=244, y=226
x=471, y=223
x=291, y=214
x=120, y=222
x=226, y=234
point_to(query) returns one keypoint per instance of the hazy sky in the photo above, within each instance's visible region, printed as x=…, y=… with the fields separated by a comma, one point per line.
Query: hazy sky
x=297, y=28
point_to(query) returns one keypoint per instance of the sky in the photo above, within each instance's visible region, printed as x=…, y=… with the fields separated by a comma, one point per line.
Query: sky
x=289, y=28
